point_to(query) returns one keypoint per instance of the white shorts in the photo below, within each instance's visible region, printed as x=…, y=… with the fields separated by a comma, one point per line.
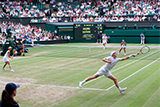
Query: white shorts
x=104, y=42
x=104, y=72
x=123, y=47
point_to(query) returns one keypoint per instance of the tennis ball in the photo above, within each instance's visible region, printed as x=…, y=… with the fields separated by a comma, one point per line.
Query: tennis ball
x=145, y=47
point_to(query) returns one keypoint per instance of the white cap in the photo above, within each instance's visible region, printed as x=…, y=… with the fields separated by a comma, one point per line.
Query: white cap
x=9, y=47
x=113, y=52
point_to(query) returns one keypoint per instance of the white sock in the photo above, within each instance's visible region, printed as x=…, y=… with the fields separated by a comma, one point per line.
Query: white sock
x=119, y=88
x=83, y=81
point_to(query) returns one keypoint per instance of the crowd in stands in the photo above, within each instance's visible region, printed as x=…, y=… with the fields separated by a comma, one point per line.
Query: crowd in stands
x=89, y=11
x=98, y=19
x=120, y=8
x=104, y=11
x=19, y=9
x=28, y=34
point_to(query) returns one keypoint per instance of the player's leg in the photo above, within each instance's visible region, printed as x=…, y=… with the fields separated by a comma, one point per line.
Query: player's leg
x=87, y=79
x=115, y=80
x=104, y=44
x=119, y=51
x=116, y=83
x=124, y=51
x=92, y=77
x=10, y=66
x=143, y=41
x=100, y=72
x=5, y=65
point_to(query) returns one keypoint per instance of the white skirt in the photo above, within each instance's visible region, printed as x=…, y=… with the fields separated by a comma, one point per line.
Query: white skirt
x=5, y=59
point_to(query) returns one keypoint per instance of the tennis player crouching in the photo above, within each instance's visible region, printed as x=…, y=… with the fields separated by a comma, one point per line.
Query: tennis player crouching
x=105, y=70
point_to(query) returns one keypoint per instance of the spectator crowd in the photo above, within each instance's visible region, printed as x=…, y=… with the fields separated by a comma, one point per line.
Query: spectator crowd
x=19, y=8
x=120, y=8
x=79, y=11
x=83, y=11
x=28, y=34
x=104, y=11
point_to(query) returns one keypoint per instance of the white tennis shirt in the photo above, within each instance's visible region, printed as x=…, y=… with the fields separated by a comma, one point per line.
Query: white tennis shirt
x=109, y=66
x=104, y=38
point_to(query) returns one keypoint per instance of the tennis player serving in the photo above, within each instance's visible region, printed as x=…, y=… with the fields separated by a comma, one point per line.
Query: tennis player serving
x=105, y=70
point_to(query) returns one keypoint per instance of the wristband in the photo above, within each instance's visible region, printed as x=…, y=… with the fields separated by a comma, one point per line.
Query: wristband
x=130, y=56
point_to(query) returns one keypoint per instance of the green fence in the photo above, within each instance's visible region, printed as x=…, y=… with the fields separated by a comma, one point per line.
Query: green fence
x=132, y=32
x=133, y=36
x=116, y=35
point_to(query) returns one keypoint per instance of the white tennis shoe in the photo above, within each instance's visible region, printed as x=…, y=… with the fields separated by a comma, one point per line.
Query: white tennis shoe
x=12, y=70
x=3, y=69
x=122, y=90
x=80, y=84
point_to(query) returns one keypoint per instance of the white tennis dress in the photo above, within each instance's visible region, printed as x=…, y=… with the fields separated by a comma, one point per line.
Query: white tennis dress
x=123, y=45
x=5, y=58
x=105, y=70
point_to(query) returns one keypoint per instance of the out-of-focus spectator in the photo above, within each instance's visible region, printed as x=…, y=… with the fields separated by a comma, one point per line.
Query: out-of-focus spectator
x=65, y=37
x=68, y=37
x=142, y=38
x=61, y=37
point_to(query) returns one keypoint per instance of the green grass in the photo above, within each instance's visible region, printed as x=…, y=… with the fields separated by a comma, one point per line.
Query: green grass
x=49, y=76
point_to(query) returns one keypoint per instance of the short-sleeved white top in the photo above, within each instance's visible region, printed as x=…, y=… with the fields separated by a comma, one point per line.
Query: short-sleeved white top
x=108, y=66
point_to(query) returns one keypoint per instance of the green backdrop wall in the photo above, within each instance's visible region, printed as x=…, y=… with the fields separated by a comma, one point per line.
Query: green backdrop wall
x=133, y=35
x=116, y=35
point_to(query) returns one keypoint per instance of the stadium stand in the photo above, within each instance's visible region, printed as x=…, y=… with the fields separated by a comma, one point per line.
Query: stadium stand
x=114, y=14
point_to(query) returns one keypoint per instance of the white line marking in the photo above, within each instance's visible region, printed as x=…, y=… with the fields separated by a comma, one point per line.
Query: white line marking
x=68, y=87
x=123, y=66
x=134, y=73
x=93, y=89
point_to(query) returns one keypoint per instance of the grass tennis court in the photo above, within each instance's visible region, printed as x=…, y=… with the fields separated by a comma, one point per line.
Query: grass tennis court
x=49, y=77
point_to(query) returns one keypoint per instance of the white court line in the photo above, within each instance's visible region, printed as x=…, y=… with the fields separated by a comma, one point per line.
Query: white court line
x=123, y=66
x=65, y=87
x=134, y=73
x=95, y=89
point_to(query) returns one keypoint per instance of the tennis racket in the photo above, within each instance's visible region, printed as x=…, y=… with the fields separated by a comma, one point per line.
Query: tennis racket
x=143, y=50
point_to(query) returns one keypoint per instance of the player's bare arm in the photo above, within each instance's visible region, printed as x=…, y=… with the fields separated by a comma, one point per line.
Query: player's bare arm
x=127, y=57
x=105, y=60
x=9, y=54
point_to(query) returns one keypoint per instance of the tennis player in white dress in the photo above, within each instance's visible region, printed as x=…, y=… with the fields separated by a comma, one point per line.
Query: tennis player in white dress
x=6, y=60
x=123, y=46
